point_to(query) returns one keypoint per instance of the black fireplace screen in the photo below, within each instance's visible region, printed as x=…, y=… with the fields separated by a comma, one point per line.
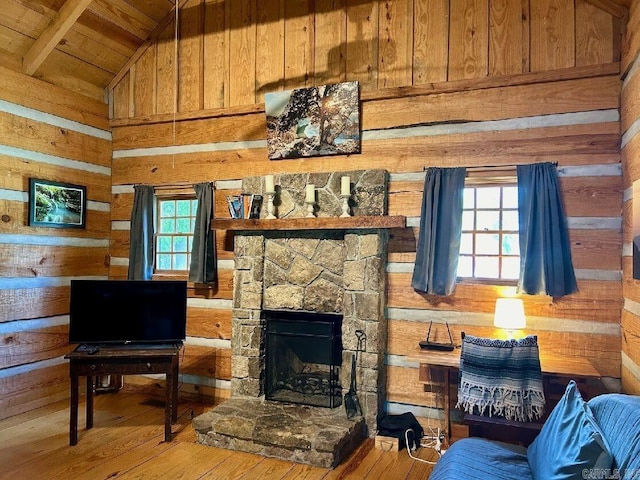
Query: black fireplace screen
x=303, y=357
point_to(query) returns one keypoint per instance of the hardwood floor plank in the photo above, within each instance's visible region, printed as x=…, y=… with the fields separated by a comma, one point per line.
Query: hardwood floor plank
x=234, y=467
x=305, y=472
x=127, y=442
x=184, y=461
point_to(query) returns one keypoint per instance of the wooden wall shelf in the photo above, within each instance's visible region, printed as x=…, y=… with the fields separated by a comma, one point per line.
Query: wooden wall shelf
x=321, y=223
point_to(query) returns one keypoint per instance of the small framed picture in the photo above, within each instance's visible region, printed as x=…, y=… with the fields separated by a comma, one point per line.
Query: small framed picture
x=55, y=204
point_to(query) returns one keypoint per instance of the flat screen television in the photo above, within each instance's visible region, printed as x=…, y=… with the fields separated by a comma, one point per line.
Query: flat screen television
x=127, y=311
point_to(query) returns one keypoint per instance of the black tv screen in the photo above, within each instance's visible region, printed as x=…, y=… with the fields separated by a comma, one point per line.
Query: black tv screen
x=127, y=311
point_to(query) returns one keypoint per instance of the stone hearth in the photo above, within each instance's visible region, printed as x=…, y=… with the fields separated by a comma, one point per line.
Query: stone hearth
x=325, y=271
x=297, y=433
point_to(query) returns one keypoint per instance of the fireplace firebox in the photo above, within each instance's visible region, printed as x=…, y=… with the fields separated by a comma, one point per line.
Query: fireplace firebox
x=303, y=357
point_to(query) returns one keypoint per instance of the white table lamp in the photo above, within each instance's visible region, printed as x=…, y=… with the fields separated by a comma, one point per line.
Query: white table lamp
x=509, y=315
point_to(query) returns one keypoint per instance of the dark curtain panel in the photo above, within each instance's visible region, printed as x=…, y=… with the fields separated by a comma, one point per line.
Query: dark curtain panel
x=203, y=268
x=141, y=247
x=440, y=229
x=545, y=255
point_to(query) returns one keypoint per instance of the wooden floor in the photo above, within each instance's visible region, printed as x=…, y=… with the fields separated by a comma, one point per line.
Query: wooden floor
x=127, y=441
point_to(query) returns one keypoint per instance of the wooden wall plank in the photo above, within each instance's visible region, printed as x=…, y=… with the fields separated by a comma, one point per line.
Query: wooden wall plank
x=431, y=41
x=630, y=100
x=235, y=128
x=395, y=47
x=215, y=54
x=209, y=323
x=298, y=44
x=526, y=35
x=595, y=300
x=505, y=37
x=594, y=35
x=33, y=93
x=630, y=164
x=166, y=78
x=18, y=348
x=497, y=103
x=362, y=43
x=28, y=391
x=242, y=44
x=120, y=98
x=631, y=42
x=330, y=42
x=631, y=286
x=191, y=82
x=15, y=174
x=97, y=225
x=631, y=336
x=51, y=261
x=145, y=87
x=206, y=362
x=26, y=303
x=270, y=44
x=24, y=133
x=553, y=27
x=468, y=39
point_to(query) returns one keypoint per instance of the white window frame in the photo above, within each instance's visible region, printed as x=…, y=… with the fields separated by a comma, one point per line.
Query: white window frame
x=175, y=195
x=486, y=182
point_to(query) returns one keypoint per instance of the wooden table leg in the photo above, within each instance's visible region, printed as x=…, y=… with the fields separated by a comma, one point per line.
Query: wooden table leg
x=447, y=407
x=174, y=390
x=168, y=407
x=89, y=419
x=73, y=410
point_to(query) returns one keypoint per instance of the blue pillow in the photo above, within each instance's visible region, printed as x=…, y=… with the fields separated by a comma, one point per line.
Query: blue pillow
x=569, y=442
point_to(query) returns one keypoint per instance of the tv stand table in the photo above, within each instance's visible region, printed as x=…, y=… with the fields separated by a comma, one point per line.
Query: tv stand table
x=123, y=360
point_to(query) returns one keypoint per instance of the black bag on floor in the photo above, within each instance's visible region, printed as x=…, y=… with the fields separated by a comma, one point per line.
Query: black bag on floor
x=397, y=425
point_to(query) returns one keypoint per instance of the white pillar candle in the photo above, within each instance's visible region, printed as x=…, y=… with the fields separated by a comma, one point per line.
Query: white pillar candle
x=310, y=193
x=345, y=186
x=268, y=183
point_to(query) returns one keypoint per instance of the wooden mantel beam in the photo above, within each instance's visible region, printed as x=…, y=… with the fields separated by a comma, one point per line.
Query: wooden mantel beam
x=47, y=41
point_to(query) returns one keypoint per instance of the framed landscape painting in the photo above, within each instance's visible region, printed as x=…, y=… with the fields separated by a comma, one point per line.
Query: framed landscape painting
x=306, y=122
x=55, y=204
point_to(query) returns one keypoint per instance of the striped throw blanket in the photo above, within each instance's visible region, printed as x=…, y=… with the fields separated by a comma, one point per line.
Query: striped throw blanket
x=501, y=378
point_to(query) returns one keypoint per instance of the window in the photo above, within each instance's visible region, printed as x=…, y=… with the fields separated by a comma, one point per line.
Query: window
x=176, y=218
x=489, y=247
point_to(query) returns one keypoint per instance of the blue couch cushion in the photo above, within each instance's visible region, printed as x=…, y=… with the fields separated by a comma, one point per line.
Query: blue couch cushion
x=618, y=416
x=569, y=442
x=479, y=459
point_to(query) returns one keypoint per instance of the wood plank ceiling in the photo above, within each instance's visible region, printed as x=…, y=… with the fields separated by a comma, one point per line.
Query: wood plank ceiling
x=82, y=45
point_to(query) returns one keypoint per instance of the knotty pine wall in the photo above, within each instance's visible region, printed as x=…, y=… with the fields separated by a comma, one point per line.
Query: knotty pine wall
x=630, y=145
x=443, y=83
x=48, y=133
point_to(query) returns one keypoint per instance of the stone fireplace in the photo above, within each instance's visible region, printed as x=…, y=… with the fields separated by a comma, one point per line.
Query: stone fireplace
x=303, y=357
x=305, y=273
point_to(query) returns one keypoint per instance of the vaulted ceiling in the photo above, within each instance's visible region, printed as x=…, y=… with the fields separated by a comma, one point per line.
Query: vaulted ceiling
x=82, y=45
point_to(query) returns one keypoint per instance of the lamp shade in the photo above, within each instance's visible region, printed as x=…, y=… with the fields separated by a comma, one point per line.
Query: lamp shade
x=509, y=314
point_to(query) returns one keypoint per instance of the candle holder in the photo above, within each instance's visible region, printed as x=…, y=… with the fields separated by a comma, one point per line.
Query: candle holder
x=270, y=209
x=310, y=208
x=345, y=206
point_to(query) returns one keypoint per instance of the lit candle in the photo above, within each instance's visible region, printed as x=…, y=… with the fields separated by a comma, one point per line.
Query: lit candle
x=268, y=184
x=345, y=185
x=310, y=193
